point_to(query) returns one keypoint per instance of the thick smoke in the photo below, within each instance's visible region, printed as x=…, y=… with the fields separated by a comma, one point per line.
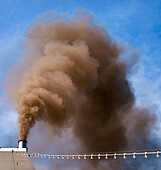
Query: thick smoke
x=73, y=77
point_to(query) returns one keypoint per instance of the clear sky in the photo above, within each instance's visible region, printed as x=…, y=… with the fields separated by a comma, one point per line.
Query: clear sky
x=137, y=22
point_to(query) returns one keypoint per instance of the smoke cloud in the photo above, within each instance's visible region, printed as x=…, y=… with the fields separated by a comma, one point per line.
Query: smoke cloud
x=73, y=76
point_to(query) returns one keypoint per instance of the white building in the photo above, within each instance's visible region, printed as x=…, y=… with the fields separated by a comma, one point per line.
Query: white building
x=15, y=159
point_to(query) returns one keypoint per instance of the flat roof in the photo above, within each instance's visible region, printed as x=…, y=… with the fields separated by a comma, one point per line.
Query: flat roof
x=13, y=159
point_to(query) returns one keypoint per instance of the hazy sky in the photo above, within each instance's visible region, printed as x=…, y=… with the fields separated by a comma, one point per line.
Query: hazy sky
x=137, y=22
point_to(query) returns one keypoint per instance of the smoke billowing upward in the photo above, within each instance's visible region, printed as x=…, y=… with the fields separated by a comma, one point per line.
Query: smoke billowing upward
x=74, y=77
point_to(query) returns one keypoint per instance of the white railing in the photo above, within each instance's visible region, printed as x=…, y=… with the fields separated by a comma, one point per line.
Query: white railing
x=97, y=155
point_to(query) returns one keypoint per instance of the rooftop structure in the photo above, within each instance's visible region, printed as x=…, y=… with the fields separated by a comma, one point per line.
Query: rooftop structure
x=15, y=159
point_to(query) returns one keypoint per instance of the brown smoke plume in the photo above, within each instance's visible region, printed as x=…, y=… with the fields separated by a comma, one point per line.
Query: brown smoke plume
x=73, y=76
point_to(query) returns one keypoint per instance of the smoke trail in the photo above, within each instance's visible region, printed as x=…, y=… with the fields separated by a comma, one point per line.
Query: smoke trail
x=73, y=76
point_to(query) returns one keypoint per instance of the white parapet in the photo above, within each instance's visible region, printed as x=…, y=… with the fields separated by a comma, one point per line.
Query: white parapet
x=13, y=149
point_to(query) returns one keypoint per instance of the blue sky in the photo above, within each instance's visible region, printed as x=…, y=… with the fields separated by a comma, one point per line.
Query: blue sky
x=134, y=21
x=137, y=22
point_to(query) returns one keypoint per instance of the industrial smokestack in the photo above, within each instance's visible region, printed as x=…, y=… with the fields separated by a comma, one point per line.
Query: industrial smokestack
x=22, y=144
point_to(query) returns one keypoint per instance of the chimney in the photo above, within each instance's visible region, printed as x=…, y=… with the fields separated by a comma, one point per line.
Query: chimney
x=22, y=144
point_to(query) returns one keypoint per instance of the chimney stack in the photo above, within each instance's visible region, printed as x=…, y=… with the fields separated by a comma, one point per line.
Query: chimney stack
x=22, y=144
